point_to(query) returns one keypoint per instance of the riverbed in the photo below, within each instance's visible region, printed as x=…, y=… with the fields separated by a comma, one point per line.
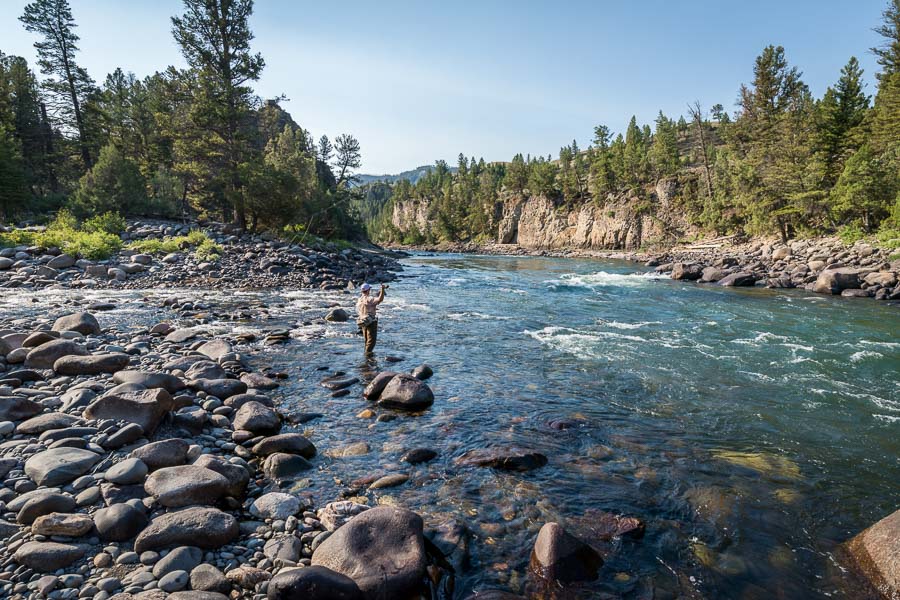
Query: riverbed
x=751, y=430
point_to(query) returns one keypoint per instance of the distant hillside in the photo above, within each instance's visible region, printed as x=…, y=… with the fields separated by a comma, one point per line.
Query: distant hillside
x=413, y=176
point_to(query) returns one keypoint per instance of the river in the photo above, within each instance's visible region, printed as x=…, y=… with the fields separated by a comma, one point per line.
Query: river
x=752, y=430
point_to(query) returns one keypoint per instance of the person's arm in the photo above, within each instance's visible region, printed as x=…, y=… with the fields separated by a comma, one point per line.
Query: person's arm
x=380, y=296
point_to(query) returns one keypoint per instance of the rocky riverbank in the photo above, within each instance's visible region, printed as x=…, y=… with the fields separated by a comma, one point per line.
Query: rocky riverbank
x=821, y=265
x=157, y=464
x=246, y=261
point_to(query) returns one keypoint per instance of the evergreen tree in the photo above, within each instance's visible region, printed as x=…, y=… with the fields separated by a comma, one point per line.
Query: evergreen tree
x=864, y=192
x=215, y=36
x=889, y=52
x=348, y=157
x=516, y=178
x=664, y=149
x=114, y=184
x=67, y=84
x=840, y=115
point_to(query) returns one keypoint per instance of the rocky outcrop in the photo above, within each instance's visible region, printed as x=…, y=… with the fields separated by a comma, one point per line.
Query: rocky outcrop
x=623, y=221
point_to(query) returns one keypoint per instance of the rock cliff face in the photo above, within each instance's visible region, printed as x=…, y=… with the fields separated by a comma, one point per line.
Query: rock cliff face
x=623, y=222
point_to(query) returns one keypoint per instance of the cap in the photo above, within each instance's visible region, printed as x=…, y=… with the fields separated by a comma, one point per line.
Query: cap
x=366, y=287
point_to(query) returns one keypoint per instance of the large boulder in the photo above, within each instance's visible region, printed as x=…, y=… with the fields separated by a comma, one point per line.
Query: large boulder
x=186, y=485
x=200, y=526
x=165, y=453
x=405, y=392
x=215, y=349
x=119, y=522
x=834, y=281
x=144, y=407
x=507, y=459
x=170, y=383
x=238, y=477
x=16, y=408
x=46, y=557
x=257, y=418
x=876, y=554
x=220, y=388
x=82, y=322
x=560, y=557
x=741, y=279
x=46, y=355
x=288, y=443
x=46, y=422
x=312, y=583
x=377, y=385
x=59, y=466
x=381, y=549
x=687, y=271
x=91, y=364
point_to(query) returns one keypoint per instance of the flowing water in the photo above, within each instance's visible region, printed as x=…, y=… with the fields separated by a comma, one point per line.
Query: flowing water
x=752, y=430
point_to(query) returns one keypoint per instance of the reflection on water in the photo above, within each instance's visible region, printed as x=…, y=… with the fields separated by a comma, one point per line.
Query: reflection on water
x=753, y=431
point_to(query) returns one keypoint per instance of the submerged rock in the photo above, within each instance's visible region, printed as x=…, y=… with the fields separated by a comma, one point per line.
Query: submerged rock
x=507, y=459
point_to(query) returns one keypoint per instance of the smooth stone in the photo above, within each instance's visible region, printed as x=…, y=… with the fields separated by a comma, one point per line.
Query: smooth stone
x=507, y=459
x=174, y=581
x=422, y=372
x=144, y=407
x=312, y=583
x=183, y=558
x=204, y=527
x=876, y=555
x=59, y=465
x=275, y=505
x=82, y=322
x=289, y=443
x=207, y=578
x=17, y=408
x=381, y=549
x=43, y=503
x=220, y=388
x=46, y=355
x=186, y=485
x=127, y=472
x=150, y=380
x=257, y=418
x=405, y=392
x=46, y=422
x=377, y=385
x=388, y=481
x=119, y=522
x=94, y=364
x=45, y=557
x=419, y=455
x=560, y=557
x=165, y=453
x=281, y=466
x=237, y=476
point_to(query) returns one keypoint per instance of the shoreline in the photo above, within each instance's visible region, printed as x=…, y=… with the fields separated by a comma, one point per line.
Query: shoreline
x=821, y=265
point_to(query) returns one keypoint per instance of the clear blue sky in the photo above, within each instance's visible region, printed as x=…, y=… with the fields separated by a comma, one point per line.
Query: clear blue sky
x=417, y=81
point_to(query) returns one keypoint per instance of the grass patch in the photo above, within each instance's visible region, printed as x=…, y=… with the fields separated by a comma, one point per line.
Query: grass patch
x=92, y=240
x=204, y=247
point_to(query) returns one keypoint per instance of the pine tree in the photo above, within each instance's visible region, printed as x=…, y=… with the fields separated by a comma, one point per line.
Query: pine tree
x=664, y=149
x=215, y=36
x=889, y=52
x=67, y=84
x=840, y=115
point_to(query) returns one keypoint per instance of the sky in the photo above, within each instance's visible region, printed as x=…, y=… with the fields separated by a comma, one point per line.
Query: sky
x=419, y=81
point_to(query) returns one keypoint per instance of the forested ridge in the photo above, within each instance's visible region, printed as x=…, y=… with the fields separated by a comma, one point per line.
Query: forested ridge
x=194, y=141
x=782, y=163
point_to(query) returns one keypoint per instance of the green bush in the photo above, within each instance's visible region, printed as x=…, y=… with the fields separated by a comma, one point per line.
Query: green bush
x=208, y=250
x=64, y=233
x=850, y=234
x=114, y=184
x=109, y=222
x=204, y=247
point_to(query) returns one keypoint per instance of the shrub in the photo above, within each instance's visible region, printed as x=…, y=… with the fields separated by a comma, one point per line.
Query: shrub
x=208, y=250
x=850, y=234
x=108, y=222
x=114, y=184
x=64, y=233
x=204, y=247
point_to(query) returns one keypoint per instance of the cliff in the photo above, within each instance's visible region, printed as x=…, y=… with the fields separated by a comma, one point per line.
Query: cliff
x=621, y=222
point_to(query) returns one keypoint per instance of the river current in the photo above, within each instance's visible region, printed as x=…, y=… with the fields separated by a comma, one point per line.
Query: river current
x=753, y=431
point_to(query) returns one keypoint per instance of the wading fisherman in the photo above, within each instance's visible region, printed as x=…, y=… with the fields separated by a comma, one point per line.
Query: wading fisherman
x=366, y=317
